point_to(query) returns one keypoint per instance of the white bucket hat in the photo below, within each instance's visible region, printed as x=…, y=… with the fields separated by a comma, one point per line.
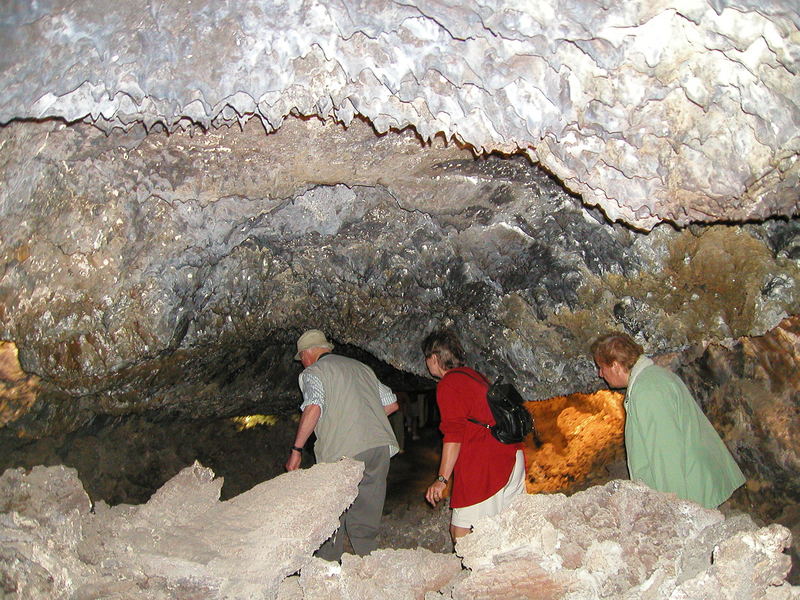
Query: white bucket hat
x=313, y=338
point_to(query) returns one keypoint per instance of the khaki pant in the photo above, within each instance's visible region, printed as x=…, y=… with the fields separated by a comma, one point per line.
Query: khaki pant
x=362, y=520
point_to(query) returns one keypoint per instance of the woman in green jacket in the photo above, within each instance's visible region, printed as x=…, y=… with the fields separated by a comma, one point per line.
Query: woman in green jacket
x=670, y=444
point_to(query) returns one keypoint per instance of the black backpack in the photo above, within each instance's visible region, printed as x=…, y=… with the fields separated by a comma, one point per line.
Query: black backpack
x=512, y=420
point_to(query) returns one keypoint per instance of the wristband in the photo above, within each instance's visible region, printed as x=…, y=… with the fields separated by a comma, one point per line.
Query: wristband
x=442, y=478
x=300, y=450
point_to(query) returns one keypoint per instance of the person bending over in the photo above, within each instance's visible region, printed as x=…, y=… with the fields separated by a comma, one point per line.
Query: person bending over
x=670, y=444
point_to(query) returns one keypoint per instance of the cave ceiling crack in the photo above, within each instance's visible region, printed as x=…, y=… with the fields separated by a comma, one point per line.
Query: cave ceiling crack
x=428, y=17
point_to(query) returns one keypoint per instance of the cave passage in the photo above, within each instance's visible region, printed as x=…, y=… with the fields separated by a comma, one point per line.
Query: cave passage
x=126, y=459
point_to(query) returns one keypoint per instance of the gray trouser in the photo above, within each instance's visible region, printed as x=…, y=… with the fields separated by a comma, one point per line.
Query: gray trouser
x=362, y=520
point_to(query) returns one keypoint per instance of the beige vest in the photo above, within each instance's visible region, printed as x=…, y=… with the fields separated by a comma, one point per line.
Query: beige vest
x=353, y=419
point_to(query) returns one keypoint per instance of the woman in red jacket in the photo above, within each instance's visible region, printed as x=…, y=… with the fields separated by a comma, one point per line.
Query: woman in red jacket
x=486, y=473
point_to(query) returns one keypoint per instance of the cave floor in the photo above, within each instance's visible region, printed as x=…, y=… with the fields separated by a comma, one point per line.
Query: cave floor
x=127, y=460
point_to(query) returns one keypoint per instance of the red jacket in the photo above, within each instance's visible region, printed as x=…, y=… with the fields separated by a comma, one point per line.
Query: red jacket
x=484, y=464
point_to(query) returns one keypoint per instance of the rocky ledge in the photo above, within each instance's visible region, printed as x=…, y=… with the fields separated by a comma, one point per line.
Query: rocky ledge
x=621, y=541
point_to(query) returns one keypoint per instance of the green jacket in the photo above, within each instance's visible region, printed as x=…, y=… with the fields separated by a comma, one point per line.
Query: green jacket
x=670, y=443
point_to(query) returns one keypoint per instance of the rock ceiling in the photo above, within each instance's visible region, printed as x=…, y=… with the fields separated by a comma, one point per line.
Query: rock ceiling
x=678, y=110
x=187, y=186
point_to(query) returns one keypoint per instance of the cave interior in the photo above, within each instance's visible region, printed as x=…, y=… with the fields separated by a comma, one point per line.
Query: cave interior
x=179, y=203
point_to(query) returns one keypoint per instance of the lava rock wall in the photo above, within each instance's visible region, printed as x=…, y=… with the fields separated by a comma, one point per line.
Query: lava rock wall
x=152, y=273
x=139, y=277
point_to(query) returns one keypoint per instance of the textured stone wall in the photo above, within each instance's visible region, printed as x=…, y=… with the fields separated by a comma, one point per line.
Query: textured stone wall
x=163, y=273
x=751, y=391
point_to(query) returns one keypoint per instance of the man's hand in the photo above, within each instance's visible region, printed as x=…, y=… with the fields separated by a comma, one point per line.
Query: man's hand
x=435, y=492
x=295, y=458
x=308, y=421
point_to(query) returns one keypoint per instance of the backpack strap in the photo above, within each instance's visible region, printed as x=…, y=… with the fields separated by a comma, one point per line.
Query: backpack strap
x=482, y=380
x=471, y=376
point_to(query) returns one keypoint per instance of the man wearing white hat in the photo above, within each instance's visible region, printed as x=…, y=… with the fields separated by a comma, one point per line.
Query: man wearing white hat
x=346, y=407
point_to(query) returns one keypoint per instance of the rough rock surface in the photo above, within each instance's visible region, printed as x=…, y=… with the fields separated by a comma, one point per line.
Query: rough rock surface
x=389, y=574
x=751, y=391
x=750, y=388
x=679, y=110
x=183, y=543
x=157, y=276
x=620, y=541
x=374, y=169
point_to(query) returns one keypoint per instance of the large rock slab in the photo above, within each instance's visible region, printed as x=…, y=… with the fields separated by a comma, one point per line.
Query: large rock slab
x=183, y=543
